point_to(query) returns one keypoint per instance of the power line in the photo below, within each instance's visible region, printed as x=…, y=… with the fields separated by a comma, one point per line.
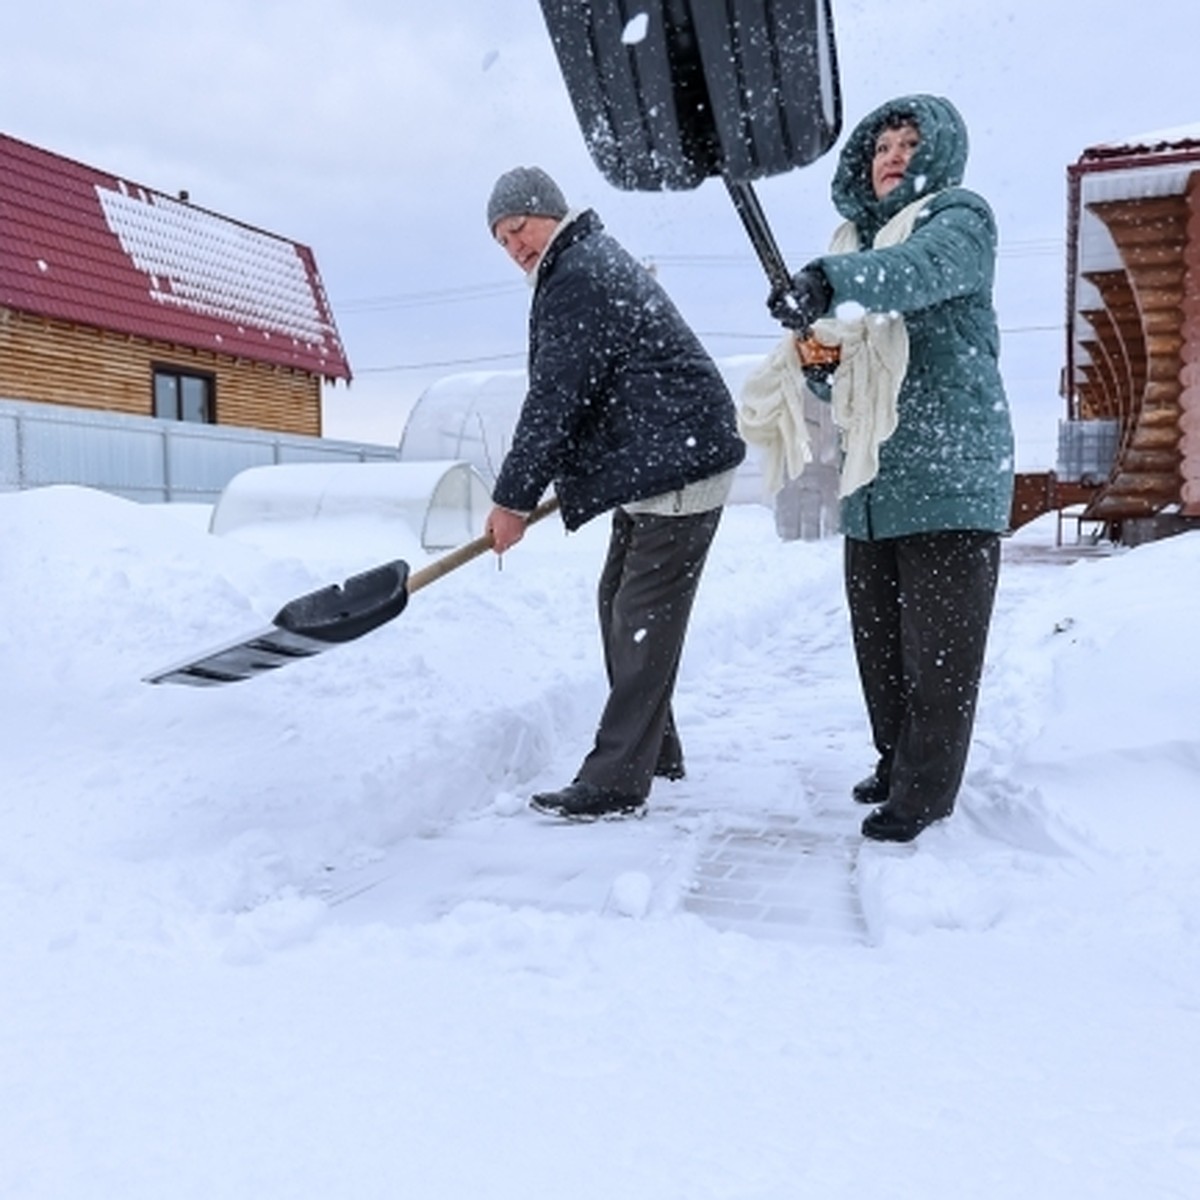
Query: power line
x=455, y=295
x=1031, y=248
x=449, y=362
x=774, y=337
x=1025, y=248
x=713, y=335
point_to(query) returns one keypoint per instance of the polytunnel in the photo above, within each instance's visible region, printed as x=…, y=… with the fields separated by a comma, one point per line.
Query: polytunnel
x=471, y=416
x=468, y=417
x=445, y=503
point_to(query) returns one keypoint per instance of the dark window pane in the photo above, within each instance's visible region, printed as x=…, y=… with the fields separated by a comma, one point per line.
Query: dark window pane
x=179, y=396
x=166, y=396
x=194, y=401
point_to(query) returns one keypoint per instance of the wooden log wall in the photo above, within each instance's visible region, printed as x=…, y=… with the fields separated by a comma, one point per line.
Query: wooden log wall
x=59, y=363
x=1137, y=356
x=1189, y=377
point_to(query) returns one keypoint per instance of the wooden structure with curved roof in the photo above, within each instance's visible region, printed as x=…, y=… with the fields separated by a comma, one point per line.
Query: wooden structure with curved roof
x=1133, y=319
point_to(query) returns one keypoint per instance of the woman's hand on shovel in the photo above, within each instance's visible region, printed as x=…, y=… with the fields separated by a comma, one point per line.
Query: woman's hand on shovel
x=506, y=528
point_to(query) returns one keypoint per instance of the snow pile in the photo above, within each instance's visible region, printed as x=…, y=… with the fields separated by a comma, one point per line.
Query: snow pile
x=301, y=937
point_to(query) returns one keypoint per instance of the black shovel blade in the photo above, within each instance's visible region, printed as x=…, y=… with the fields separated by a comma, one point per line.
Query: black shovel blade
x=670, y=92
x=317, y=621
x=343, y=612
x=304, y=627
x=264, y=650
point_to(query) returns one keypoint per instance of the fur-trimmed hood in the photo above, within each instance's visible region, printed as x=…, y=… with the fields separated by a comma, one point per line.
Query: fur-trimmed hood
x=939, y=161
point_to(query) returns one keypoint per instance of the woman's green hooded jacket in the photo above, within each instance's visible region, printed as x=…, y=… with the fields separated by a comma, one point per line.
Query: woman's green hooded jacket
x=949, y=464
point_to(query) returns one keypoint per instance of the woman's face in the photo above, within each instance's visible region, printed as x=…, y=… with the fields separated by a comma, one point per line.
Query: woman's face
x=894, y=149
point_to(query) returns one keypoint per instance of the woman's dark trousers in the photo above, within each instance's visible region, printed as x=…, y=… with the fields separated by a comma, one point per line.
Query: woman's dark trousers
x=920, y=607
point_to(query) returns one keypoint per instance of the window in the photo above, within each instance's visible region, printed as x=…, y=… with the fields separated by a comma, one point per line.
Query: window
x=184, y=395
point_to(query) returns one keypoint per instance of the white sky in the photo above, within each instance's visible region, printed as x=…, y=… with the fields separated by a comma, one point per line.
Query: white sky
x=373, y=131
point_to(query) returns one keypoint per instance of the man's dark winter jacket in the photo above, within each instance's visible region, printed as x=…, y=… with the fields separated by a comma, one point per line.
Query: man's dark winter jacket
x=623, y=402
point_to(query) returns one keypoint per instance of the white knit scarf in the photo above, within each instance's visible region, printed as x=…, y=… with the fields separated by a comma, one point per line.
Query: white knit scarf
x=865, y=385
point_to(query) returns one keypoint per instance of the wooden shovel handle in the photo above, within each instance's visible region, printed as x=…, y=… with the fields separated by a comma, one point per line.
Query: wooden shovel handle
x=449, y=562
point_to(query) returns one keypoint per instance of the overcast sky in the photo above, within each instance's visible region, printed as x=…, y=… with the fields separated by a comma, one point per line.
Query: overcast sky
x=372, y=130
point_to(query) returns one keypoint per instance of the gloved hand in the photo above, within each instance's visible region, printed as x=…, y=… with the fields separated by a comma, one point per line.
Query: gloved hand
x=800, y=304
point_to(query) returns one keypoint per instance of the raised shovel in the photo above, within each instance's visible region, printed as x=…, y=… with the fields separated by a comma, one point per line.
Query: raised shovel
x=328, y=617
x=671, y=92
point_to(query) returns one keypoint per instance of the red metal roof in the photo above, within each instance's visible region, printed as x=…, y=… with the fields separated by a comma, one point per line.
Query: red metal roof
x=80, y=245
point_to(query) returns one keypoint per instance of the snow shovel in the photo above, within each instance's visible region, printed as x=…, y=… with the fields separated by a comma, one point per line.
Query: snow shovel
x=325, y=618
x=670, y=92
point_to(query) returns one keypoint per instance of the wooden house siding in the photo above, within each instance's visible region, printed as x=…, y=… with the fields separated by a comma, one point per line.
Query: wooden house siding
x=1150, y=236
x=1189, y=375
x=1133, y=319
x=55, y=362
x=1133, y=337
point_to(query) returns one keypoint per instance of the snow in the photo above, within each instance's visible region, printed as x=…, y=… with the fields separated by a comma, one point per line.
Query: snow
x=187, y=254
x=1176, y=135
x=301, y=936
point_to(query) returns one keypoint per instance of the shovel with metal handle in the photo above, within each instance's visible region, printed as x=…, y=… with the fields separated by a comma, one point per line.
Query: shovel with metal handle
x=671, y=92
x=328, y=617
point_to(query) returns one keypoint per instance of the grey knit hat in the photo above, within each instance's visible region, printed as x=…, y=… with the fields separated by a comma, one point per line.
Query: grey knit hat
x=525, y=191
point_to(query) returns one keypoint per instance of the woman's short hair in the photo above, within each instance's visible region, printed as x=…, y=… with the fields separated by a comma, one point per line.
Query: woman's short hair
x=897, y=120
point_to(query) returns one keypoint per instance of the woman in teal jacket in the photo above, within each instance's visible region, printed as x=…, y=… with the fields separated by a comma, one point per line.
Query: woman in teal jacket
x=923, y=533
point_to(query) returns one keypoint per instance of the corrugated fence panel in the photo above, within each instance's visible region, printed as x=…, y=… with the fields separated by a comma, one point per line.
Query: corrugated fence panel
x=143, y=458
x=9, y=464
x=200, y=464
x=90, y=453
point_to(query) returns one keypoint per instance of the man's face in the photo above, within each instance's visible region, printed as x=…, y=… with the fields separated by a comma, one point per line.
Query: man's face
x=524, y=238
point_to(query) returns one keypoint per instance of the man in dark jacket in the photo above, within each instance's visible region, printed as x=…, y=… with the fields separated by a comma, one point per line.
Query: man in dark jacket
x=625, y=412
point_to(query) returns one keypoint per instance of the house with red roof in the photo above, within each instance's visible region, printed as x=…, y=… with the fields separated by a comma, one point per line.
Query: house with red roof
x=117, y=297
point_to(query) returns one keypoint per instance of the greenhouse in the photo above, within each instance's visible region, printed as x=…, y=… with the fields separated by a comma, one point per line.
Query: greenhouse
x=470, y=417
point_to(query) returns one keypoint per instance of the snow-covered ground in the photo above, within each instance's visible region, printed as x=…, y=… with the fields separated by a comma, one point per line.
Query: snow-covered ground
x=300, y=936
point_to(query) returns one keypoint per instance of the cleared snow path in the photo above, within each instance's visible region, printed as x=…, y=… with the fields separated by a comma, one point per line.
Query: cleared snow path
x=760, y=837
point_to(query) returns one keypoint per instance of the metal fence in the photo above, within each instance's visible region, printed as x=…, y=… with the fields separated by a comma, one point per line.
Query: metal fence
x=143, y=458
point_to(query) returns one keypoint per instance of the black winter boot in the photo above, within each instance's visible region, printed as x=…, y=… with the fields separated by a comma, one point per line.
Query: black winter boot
x=871, y=790
x=887, y=824
x=581, y=801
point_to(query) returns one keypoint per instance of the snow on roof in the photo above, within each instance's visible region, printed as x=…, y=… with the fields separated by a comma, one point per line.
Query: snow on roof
x=1144, y=168
x=79, y=245
x=208, y=265
x=1177, y=137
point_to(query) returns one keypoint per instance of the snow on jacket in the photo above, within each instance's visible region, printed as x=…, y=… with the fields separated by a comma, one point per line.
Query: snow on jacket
x=623, y=403
x=949, y=463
